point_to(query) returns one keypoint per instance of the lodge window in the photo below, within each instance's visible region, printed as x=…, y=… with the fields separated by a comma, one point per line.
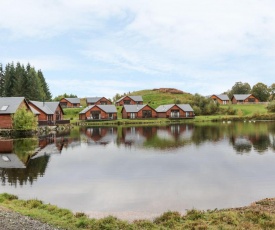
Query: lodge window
x=95, y=114
x=251, y=99
x=126, y=102
x=146, y=113
x=58, y=116
x=175, y=113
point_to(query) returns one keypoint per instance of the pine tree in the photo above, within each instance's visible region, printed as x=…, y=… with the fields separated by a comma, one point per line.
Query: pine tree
x=2, y=81
x=9, y=86
x=46, y=94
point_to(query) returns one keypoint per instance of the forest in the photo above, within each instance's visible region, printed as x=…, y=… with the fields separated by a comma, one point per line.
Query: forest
x=23, y=81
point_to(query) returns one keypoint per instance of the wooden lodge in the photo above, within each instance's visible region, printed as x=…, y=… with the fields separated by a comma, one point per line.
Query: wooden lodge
x=129, y=100
x=49, y=113
x=175, y=111
x=222, y=99
x=97, y=101
x=98, y=112
x=138, y=112
x=70, y=102
x=8, y=107
x=244, y=99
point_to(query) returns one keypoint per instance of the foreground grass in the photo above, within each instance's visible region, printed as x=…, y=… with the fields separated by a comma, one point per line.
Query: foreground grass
x=260, y=215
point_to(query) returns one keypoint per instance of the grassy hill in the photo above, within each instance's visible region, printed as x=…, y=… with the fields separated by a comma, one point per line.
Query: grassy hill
x=163, y=96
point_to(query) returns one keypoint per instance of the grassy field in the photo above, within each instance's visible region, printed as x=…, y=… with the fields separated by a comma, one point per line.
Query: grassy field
x=260, y=215
x=155, y=98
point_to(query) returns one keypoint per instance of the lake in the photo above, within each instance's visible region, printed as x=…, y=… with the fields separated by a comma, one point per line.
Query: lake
x=138, y=172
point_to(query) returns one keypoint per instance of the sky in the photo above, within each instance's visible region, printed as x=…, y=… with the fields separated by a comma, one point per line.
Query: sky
x=103, y=47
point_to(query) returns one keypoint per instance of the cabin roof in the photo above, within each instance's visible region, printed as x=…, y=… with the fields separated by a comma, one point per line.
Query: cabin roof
x=105, y=108
x=241, y=96
x=134, y=98
x=133, y=108
x=223, y=97
x=165, y=108
x=93, y=99
x=9, y=105
x=46, y=107
x=73, y=100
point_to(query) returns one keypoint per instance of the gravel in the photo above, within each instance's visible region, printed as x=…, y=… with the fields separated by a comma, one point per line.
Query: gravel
x=10, y=220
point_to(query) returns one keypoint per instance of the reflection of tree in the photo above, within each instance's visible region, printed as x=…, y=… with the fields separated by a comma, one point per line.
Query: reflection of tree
x=25, y=148
x=261, y=143
x=242, y=145
x=210, y=132
x=35, y=168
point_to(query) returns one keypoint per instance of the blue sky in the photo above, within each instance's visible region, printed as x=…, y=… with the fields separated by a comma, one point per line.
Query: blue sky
x=104, y=47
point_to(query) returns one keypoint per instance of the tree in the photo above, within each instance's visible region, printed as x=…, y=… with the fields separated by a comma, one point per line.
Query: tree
x=65, y=95
x=10, y=83
x=24, y=120
x=2, y=81
x=272, y=91
x=47, y=96
x=260, y=91
x=271, y=106
x=204, y=106
x=240, y=88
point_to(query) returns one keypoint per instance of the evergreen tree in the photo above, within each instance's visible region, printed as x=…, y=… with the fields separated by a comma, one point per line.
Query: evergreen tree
x=9, y=86
x=46, y=94
x=2, y=81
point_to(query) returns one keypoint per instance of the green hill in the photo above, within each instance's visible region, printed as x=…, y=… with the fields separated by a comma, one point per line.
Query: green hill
x=162, y=96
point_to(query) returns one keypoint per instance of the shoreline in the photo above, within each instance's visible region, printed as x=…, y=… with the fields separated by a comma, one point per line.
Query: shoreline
x=258, y=215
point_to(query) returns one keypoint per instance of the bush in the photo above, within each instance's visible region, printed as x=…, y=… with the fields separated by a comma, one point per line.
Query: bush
x=24, y=120
x=271, y=106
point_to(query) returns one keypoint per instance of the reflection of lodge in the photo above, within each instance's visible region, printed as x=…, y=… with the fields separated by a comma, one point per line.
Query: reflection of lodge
x=24, y=160
x=100, y=135
x=157, y=137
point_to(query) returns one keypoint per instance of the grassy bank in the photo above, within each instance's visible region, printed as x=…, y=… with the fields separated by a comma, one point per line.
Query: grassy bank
x=260, y=215
x=243, y=112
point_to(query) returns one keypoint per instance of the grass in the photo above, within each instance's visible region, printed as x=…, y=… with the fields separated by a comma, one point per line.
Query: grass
x=260, y=215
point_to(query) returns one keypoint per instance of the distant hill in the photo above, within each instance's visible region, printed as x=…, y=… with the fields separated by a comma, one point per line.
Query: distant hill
x=162, y=96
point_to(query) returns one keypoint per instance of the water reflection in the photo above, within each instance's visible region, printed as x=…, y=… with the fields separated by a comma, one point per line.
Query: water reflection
x=25, y=160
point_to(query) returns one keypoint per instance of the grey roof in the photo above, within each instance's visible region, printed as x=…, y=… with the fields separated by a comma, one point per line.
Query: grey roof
x=73, y=100
x=10, y=103
x=10, y=160
x=133, y=108
x=105, y=108
x=134, y=98
x=223, y=97
x=93, y=99
x=46, y=107
x=165, y=108
x=241, y=97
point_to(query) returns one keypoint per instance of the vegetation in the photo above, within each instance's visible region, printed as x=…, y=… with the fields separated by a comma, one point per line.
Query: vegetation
x=65, y=95
x=271, y=106
x=260, y=215
x=24, y=120
x=23, y=81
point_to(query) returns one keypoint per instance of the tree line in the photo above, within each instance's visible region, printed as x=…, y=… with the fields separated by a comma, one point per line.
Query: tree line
x=23, y=81
x=260, y=90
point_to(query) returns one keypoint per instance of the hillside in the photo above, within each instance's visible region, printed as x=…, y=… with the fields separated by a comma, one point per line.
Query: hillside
x=162, y=96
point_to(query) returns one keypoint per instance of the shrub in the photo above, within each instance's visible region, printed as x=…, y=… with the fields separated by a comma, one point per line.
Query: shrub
x=271, y=106
x=24, y=120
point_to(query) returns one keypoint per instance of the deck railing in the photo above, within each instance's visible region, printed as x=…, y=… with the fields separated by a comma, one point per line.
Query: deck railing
x=52, y=123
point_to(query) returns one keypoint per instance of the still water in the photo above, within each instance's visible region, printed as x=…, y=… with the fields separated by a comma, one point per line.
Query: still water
x=143, y=170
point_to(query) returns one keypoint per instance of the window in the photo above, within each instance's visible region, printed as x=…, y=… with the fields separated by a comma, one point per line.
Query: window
x=146, y=113
x=126, y=102
x=175, y=113
x=4, y=107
